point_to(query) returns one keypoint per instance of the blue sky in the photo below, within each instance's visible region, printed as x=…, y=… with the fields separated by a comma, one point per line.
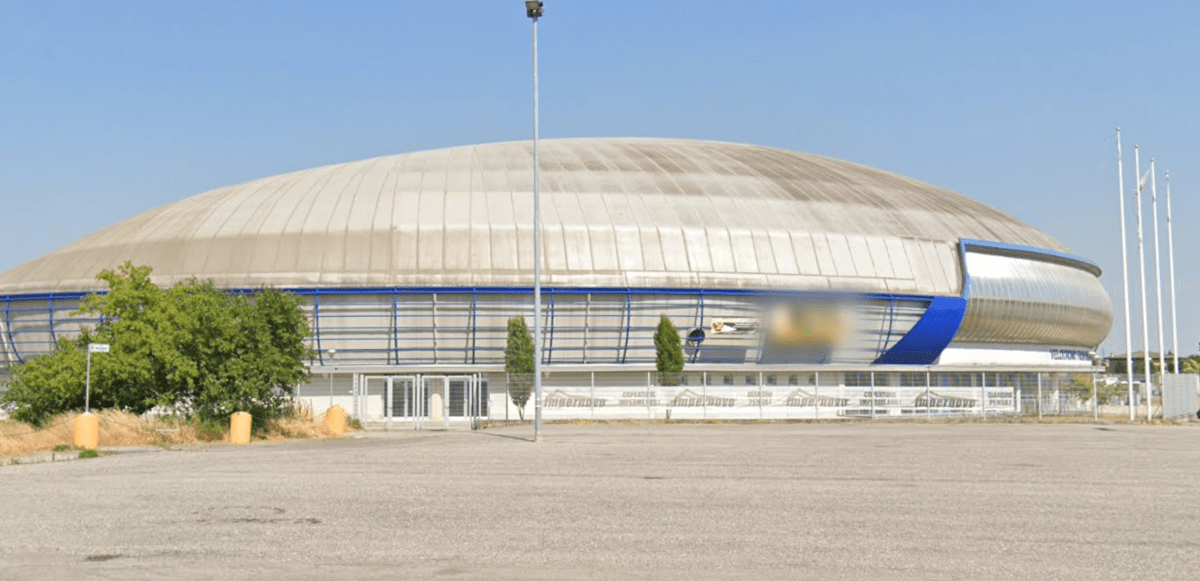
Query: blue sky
x=108, y=109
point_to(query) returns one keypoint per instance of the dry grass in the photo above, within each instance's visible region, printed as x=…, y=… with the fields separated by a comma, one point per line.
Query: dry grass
x=125, y=429
x=301, y=423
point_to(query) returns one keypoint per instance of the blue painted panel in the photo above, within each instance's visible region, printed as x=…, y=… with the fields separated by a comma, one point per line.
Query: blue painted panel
x=932, y=333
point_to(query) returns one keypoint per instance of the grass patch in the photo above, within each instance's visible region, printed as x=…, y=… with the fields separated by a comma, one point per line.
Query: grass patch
x=88, y=454
x=125, y=429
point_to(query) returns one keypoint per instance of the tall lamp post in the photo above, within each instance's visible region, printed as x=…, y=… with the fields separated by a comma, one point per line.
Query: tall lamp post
x=533, y=9
x=331, y=353
x=87, y=382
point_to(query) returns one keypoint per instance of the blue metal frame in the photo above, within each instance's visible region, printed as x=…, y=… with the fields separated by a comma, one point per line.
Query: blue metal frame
x=317, y=325
x=628, y=326
x=548, y=350
x=12, y=344
x=699, y=324
x=394, y=355
x=921, y=345
x=50, y=308
x=400, y=351
x=474, y=325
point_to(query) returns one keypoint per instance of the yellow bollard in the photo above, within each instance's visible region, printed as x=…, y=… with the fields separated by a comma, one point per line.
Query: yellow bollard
x=87, y=431
x=335, y=419
x=239, y=428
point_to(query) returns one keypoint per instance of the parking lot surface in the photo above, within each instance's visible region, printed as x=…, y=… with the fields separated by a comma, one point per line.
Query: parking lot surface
x=675, y=501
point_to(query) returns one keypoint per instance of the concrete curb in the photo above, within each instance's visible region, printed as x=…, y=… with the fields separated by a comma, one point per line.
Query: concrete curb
x=70, y=455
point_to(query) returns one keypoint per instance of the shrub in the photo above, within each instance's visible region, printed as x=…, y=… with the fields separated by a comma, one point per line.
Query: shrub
x=192, y=347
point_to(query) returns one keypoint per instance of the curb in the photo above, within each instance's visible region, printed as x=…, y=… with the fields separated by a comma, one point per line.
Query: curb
x=72, y=455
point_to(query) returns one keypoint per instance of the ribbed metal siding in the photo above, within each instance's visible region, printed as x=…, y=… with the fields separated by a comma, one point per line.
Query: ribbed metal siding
x=1024, y=301
x=378, y=327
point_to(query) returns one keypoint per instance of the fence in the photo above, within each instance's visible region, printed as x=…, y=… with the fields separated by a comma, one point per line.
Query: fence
x=744, y=394
x=437, y=398
x=1179, y=395
x=807, y=395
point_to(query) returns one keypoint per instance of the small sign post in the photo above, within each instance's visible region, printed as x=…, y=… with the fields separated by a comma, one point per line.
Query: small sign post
x=87, y=393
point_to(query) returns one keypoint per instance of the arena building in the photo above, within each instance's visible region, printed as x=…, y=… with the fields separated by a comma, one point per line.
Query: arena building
x=804, y=286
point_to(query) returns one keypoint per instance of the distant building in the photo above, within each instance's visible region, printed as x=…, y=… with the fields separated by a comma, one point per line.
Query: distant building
x=1116, y=363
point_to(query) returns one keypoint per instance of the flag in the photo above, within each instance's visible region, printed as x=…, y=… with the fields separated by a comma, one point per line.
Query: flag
x=1142, y=180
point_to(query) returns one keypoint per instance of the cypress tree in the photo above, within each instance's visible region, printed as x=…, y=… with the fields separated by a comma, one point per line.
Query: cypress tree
x=518, y=362
x=668, y=351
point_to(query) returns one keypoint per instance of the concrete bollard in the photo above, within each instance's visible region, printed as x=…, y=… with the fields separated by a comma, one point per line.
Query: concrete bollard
x=335, y=420
x=87, y=431
x=239, y=428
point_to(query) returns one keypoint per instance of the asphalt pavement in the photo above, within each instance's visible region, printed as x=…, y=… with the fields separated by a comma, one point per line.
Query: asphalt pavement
x=769, y=501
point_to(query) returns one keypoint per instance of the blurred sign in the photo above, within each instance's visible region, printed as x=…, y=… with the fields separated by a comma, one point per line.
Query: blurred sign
x=734, y=326
x=803, y=324
x=97, y=347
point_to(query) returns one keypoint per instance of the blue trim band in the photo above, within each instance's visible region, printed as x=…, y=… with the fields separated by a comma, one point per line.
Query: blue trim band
x=1030, y=253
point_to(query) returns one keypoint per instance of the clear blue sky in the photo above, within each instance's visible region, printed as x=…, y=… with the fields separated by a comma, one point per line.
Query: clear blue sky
x=111, y=108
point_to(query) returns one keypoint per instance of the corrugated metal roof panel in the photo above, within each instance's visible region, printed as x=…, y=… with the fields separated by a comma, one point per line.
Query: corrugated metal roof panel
x=628, y=212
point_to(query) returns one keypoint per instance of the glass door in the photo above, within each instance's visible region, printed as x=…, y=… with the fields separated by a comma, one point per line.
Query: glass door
x=406, y=400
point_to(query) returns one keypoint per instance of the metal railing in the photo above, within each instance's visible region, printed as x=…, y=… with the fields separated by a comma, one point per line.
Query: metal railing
x=800, y=395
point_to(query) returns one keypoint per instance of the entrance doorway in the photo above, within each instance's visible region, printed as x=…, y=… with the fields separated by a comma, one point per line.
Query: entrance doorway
x=423, y=401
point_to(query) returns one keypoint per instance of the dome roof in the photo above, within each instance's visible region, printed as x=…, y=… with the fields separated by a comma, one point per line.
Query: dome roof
x=615, y=213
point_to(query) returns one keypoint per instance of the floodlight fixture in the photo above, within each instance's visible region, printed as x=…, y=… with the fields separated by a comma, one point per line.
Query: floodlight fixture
x=533, y=8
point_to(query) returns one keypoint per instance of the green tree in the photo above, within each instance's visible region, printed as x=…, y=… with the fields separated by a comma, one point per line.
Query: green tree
x=49, y=383
x=1190, y=365
x=234, y=352
x=192, y=347
x=518, y=362
x=668, y=351
x=1080, y=386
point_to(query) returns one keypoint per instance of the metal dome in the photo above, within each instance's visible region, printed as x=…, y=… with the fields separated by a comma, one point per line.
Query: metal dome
x=616, y=213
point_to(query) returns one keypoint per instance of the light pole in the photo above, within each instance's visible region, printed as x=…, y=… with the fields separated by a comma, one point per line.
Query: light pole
x=331, y=353
x=533, y=9
x=87, y=382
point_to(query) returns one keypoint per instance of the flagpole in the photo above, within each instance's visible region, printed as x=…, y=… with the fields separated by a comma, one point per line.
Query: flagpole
x=1162, y=348
x=1137, y=200
x=1125, y=277
x=1171, y=262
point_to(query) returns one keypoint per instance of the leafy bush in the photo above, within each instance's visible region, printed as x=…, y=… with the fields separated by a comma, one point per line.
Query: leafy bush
x=192, y=347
